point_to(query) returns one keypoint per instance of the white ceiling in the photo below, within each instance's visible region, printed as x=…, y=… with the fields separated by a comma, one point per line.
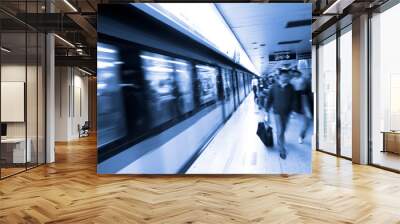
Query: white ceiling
x=264, y=23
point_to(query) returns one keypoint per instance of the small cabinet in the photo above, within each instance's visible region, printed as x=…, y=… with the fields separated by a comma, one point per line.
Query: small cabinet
x=391, y=142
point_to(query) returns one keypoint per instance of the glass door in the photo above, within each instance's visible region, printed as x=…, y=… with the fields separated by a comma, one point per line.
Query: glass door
x=326, y=127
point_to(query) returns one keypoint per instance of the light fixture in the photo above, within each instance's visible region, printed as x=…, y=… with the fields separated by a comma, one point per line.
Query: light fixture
x=337, y=7
x=205, y=67
x=84, y=71
x=64, y=40
x=157, y=68
x=104, y=64
x=70, y=5
x=5, y=50
x=162, y=60
x=105, y=50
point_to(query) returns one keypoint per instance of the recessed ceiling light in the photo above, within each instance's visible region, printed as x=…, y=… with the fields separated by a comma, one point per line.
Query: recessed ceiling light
x=289, y=42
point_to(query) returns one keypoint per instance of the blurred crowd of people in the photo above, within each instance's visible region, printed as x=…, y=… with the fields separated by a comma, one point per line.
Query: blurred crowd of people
x=284, y=94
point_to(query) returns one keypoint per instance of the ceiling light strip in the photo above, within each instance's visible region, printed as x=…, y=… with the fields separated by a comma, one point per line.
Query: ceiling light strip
x=70, y=5
x=5, y=50
x=84, y=71
x=64, y=40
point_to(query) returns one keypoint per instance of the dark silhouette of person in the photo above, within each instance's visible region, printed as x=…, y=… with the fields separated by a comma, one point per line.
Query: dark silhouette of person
x=281, y=99
x=254, y=83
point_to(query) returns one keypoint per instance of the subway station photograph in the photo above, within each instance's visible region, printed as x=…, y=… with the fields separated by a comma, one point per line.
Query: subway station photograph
x=260, y=111
x=168, y=105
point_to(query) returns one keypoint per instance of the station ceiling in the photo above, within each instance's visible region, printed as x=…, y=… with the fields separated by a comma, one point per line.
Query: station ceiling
x=265, y=29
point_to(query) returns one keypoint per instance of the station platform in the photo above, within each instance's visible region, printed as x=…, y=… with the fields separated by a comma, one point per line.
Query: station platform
x=236, y=148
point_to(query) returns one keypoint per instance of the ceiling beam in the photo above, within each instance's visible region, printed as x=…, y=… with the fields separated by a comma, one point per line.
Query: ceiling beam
x=78, y=61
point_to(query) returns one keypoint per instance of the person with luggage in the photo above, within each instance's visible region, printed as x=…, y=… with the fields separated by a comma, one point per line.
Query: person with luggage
x=261, y=94
x=280, y=100
x=254, y=83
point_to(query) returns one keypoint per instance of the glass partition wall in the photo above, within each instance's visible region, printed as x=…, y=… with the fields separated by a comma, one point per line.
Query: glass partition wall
x=385, y=89
x=22, y=77
x=334, y=94
x=326, y=102
x=345, y=91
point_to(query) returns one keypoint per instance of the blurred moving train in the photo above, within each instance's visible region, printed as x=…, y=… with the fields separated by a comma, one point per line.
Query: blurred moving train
x=157, y=109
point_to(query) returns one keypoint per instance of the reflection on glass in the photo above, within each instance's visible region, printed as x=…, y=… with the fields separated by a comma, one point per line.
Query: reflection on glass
x=15, y=153
x=32, y=101
x=109, y=93
x=207, y=83
x=346, y=94
x=41, y=98
x=158, y=73
x=327, y=96
x=228, y=90
x=183, y=76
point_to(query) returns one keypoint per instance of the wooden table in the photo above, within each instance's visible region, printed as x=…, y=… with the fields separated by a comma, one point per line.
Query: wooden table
x=391, y=141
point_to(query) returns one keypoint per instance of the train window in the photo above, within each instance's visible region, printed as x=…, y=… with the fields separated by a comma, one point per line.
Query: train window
x=142, y=93
x=184, y=81
x=111, y=127
x=226, y=75
x=158, y=72
x=206, y=83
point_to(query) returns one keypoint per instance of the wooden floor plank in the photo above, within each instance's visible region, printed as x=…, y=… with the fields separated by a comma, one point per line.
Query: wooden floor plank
x=70, y=191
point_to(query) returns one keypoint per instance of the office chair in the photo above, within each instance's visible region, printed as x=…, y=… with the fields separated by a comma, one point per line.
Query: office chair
x=84, y=130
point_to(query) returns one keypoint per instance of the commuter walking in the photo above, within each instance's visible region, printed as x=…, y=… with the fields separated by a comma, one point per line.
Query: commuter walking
x=254, y=83
x=280, y=99
x=302, y=87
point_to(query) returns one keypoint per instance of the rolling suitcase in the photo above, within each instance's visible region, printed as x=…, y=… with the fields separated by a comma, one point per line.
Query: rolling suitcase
x=265, y=134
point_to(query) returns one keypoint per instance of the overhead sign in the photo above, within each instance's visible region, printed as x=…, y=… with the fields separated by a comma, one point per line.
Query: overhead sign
x=282, y=56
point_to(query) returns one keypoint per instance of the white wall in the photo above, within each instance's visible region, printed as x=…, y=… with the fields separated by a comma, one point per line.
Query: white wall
x=12, y=73
x=33, y=126
x=71, y=94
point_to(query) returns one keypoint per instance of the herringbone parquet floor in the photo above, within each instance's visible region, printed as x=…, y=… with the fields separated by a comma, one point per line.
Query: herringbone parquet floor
x=70, y=191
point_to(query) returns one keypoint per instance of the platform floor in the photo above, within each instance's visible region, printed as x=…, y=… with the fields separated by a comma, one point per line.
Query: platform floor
x=236, y=148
